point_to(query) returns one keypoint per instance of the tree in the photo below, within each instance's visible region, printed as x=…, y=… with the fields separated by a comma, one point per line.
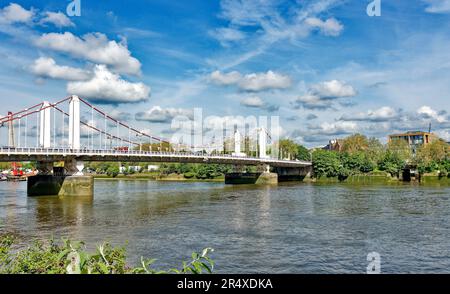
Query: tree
x=392, y=163
x=401, y=149
x=326, y=163
x=113, y=171
x=355, y=143
x=433, y=156
x=288, y=148
x=357, y=162
x=435, y=151
x=375, y=151
x=303, y=153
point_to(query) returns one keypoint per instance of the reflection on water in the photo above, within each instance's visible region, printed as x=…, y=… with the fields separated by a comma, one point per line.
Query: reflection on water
x=294, y=228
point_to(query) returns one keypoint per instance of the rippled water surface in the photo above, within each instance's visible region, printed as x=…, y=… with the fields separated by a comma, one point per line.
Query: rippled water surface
x=292, y=228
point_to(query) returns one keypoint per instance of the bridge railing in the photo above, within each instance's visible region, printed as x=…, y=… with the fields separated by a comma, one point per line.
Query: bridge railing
x=106, y=152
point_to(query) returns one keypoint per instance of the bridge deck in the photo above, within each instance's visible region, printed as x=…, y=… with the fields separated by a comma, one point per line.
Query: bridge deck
x=60, y=154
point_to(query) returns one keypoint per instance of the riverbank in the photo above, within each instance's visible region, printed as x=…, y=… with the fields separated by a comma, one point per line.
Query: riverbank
x=156, y=177
x=376, y=178
x=381, y=178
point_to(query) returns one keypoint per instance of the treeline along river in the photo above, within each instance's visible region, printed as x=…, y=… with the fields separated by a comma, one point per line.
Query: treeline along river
x=288, y=228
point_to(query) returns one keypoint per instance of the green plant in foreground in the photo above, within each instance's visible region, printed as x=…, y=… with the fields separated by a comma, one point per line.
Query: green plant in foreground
x=72, y=258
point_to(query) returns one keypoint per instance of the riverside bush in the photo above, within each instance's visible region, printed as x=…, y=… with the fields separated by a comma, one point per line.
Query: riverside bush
x=69, y=257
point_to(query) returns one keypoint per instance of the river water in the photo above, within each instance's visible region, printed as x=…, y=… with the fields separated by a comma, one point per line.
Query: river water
x=289, y=228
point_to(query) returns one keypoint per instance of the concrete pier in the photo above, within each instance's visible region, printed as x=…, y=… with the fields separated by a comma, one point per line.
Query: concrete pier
x=251, y=178
x=49, y=185
x=292, y=174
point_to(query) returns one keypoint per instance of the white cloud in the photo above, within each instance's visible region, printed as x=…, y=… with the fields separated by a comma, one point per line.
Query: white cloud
x=254, y=82
x=94, y=47
x=257, y=102
x=263, y=81
x=427, y=112
x=335, y=128
x=438, y=6
x=58, y=19
x=330, y=27
x=321, y=96
x=333, y=89
x=227, y=35
x=107, y=87
x=225, y=79
x=444, y=134
x=158, y=114
x=14, y=13
x=313, y=102
x=382, y=114
x=47, y=68
x=253, y=101
x=268, y=22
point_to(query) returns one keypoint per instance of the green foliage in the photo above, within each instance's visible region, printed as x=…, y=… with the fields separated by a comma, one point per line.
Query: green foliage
x=392, y=162
x=303, y=153
x=400, y=149
x=292, y=150
x=189, y=175
x=357, y=162
x=355, y=143
x=434, y=157
x=71, y=257
x=113, y=171
x=343, y=173
x=326, y=163
x=288, y=148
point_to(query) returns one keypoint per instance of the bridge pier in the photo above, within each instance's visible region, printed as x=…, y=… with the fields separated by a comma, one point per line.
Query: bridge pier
x=291, y=174
x=262, y=177
x=52, y=181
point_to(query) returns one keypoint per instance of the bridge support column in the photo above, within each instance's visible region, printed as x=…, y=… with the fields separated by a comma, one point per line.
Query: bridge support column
x=45, y=126
x=290, y=174
x=74, y=123
x=262, y=177
x=44, y=167
x=73, y=167
x=72, y=183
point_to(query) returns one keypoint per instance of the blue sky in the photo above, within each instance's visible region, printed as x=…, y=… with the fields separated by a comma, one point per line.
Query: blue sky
x=324, y=67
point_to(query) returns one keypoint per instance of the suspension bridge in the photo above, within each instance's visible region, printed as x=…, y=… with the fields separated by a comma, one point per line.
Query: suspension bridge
x=74, y=131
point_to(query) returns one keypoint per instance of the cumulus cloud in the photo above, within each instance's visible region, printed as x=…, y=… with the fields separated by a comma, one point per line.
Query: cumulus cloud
x=253, y=101
x=438, y=6
x=58, y=19
x=107, y=87
x=336, y=128
x=426, y=112
x=46, y=67
x=225, y=79
x=333, y=89
x=257, y=102
x=253, y=82
x=14, y=13
x=382, y=114
x=94, y=47
x=329, y=27
x=263, y=81
x=321, y=96
x=158, y=114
